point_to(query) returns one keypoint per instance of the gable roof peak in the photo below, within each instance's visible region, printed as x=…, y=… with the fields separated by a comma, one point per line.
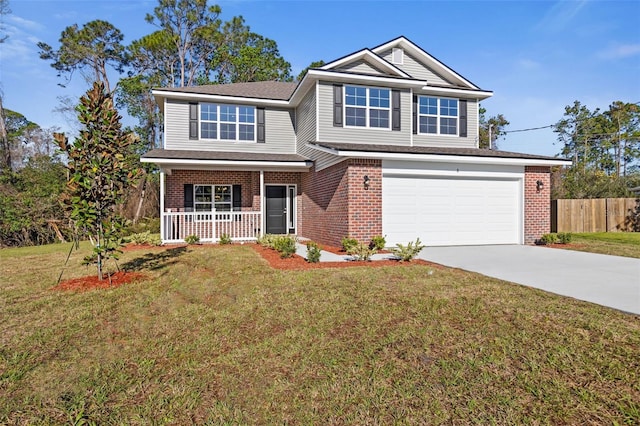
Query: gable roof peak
x=427, y=59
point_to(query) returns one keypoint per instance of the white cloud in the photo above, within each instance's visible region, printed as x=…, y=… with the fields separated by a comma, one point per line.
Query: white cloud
x=620, y=51
x=527, y=64
x=560, y=15
x=26, y=24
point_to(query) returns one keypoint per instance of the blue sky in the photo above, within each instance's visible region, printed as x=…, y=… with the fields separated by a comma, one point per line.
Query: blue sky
x=537, y=56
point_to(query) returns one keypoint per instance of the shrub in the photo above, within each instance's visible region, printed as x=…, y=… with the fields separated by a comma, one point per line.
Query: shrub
x=145, y=238
x=313, y=252
x=225, y=239
x=266, y=240
x=285, y=245
x=362, y=252
x=564, y=237
x=408, y=252
x=378, y=242
x=547, y=239
x=192, y=239
x=348, y=243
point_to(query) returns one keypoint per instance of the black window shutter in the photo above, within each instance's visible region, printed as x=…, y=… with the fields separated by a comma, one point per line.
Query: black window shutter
x=415, y=114
x=188, y=197
x=463, y=118
x=236, y=196
x=260, y=116
x=193, y=121
x=337, y=105
x=395, y=110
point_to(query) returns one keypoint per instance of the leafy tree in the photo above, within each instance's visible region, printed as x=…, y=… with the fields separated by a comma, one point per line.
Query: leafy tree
x=314, y=64
x=30, y=210
x=247, y=56
x=4, y=10
x=496, y=123
x=100, y=170
x=604, y=147
x=89, y=49
x=193, y=28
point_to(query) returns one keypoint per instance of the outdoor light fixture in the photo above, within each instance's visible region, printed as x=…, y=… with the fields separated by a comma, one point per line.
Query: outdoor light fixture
x=539, y=185
x=366, y=182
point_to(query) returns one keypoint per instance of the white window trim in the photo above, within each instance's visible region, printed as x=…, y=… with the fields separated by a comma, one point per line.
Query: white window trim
x=367, y=107
x=438, y=116
x=205, y=213
x=237, y=123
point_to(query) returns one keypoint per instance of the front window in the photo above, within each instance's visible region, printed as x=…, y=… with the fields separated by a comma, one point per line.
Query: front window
x=209, y=197
x=367, y=107
x=438, y=116
x=227, y=122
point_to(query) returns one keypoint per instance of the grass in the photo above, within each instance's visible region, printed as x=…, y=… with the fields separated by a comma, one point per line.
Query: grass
x=215, y=336
x=625, y=244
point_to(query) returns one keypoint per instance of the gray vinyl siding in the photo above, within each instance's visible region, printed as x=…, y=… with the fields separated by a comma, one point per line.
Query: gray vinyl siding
x=280, y=136
x=416, y=70
x=360, y=67
x=329, y=133
x=454, y=141
x=306, y=125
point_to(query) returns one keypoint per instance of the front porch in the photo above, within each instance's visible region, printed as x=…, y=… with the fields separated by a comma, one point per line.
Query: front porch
x=239, y=205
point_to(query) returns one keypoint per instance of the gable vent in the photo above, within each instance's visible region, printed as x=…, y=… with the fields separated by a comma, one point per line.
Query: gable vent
x=397, y=56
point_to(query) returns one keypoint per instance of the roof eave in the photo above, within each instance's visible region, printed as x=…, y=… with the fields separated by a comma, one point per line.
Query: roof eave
x=177, y=163
x=442, y=158
x=163, y=94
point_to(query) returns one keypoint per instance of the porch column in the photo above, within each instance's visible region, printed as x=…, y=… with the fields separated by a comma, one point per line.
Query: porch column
x=262, y=202
x=162, y=231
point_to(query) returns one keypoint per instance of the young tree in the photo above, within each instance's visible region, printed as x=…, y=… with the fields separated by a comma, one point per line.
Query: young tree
x=100, y=170
x=88, y=49
x=497, y=125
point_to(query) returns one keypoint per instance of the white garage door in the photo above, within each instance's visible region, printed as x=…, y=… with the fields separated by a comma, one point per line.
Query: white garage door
x=451, y=211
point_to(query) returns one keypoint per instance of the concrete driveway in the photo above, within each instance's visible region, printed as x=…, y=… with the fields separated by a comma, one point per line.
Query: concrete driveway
x=606, y=280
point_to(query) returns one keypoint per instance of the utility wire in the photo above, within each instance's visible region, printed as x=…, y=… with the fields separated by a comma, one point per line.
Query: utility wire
x=529, y=129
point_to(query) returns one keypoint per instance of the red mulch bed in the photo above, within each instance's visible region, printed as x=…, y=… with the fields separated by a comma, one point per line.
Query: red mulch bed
x=297, y=263
x=92, y=282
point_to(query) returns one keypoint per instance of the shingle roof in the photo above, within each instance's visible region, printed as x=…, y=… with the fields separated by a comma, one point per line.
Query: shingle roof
x=175, y=154
x=276, y=90
x=399, y=149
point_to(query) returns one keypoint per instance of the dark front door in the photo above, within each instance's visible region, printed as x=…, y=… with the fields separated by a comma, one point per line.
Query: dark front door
x=276, y=209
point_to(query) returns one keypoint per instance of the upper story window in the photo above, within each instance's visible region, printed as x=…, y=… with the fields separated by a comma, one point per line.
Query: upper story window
x=367, y=107
x=227, y=122
x=438, y=116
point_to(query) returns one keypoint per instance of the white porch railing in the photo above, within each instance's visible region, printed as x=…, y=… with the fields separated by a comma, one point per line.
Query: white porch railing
x=209, y=226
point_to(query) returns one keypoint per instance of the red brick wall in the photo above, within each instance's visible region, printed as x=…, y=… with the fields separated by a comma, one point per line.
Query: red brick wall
x=537, y=204
x=335, y=203
x=324, y=212
x=365, y=205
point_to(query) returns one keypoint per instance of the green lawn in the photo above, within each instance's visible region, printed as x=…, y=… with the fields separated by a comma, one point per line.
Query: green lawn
x=625, y=244
x=215, y=336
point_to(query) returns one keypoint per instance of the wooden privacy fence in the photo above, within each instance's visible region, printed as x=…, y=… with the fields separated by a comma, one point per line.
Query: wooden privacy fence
x=595, y=215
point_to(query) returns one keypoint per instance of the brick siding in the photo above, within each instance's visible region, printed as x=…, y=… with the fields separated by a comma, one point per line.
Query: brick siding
x=335, y=203
x=537, y=204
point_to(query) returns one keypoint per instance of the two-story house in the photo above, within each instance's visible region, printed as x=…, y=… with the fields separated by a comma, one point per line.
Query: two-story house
x=383, y=141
